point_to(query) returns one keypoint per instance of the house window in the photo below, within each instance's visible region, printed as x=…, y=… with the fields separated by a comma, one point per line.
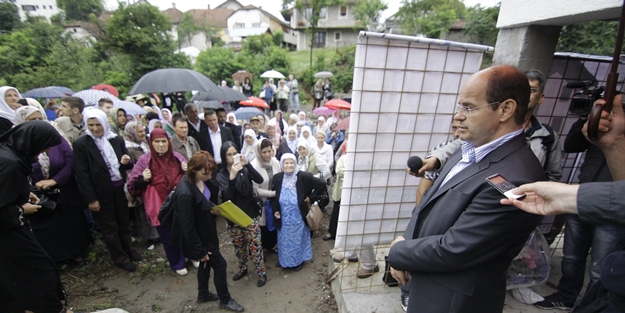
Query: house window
x=225, y=31
x=308, y=14
x=239, y=25
x=343, y=11
x=322, y=14
x=256, y=25
x=337, y=36
x=51, y=7
x=29, y=8
x=319, y=40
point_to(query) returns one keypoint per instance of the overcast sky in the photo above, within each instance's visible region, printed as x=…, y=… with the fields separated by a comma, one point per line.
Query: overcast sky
x=272, y=6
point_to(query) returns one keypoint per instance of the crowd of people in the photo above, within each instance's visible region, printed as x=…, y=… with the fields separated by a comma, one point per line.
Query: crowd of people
x=110, y=172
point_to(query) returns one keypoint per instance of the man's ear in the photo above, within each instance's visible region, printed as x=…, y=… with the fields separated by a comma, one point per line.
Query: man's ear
x=507, y=109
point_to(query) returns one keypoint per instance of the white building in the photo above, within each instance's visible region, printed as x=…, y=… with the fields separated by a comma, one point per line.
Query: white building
x=45, y=8
x=252, y=21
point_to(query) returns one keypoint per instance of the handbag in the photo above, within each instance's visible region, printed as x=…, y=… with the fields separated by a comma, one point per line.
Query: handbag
x=269, y=216
x=48, y=198
x=314, y=217
x=166, y=212
x=262, y=94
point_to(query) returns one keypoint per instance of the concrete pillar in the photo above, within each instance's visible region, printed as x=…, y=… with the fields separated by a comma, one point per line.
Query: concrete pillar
x=527, y=47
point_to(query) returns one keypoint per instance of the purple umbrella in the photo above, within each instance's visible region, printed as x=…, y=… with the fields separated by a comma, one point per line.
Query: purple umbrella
x=323, y=111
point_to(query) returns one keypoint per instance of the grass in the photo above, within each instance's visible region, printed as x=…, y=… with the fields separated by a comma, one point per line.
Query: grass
x=300, y=60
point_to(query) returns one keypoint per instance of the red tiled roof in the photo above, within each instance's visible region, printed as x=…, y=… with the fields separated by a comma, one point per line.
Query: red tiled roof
x=214, y=17
x=175, y=15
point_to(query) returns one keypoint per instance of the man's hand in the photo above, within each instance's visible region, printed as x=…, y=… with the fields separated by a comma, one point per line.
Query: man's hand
x=546, y=198
x=429, y=164
x=184, y=166
x=611, y=126
x=94, y=206
x=30, y=208
x=147, y=174
x=125, y=159
x=206, y=257
x=399, y=275
x=45, y=184
x=277, y=215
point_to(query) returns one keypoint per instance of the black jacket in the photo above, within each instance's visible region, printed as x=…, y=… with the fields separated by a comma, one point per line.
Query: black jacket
x=235, y=130
x=240, y=190
x=194, y=133
x=595, y=167
x=206, y=144
x=5, y=125
x=93, y=174
x=307, y=186
x=193, y=228
x=284, y=148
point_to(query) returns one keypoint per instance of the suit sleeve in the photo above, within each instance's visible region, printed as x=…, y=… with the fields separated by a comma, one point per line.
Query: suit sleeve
x=554, y=162
x=602, y=203
x=81, y=165
x=483, y=231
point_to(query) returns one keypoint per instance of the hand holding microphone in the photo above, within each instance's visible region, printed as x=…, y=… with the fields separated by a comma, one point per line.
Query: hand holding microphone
x=418, y=167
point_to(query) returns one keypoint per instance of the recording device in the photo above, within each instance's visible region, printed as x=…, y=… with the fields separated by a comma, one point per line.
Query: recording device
x=237, y=158
x=582, y=101
x=503, y=186
x=415, y=163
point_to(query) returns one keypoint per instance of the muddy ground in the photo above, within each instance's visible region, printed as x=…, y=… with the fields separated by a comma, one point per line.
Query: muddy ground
x=154, y=287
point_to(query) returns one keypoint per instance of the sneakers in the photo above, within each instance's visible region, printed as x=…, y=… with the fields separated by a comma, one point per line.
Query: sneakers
x=404, y=303
x=182, y=272
x=363, y=273
x=239, y=275
x=231, y=306
x=195, y=263
x=555, y=301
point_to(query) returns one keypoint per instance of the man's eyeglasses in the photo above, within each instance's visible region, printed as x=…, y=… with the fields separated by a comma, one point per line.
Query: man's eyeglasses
x=466, y=110
x=534, y=89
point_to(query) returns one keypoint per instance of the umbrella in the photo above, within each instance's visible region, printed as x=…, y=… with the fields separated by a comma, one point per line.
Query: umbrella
x=131, y=108
x=338, y=104
x=172, y=80
x=209, y=105
x=255, y=102
x=272, y=74
x=65, y=90
x=343, y=124
x=245, y=113
x=45, y=92
x=241, y=75
x=221, y=94
x=324, y=74
x=323, y=111
x=91, y=96
x=108, y=88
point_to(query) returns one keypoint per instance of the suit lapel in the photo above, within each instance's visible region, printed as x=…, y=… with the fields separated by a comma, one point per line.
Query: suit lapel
x=95, y=152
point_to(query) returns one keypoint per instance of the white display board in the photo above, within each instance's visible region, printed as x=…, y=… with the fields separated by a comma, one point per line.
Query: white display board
x=404, y=94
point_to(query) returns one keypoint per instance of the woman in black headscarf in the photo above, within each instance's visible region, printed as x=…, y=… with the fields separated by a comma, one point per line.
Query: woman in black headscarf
x=30, y=279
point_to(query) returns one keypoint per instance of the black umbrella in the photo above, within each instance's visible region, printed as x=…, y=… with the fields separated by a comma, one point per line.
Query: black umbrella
x=209, y=105
x=172, y=80
x=221, y=94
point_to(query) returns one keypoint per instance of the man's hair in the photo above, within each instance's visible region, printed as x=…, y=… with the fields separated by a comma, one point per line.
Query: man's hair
x=209, y=112
x=188, y=106
x=220, y=110
x=151, y=116
x=538, y=76
x=177, y=119
x=508, y=82
x=102, y=101
x=74, y=103
x=175, y=115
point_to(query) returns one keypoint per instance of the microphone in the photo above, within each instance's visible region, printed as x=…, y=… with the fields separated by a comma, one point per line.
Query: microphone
x=415, y=163
x=576, y=85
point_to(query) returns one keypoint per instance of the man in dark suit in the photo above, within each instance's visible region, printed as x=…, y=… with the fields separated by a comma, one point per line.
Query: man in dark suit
x=195, y=123
x=235, y=129
x=461, y=240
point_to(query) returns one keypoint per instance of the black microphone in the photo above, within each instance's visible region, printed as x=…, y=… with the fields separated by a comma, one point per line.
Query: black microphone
x=576, y=85
x=415, y=163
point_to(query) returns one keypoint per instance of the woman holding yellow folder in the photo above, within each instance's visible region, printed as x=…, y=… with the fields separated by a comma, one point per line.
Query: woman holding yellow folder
x=236, y=183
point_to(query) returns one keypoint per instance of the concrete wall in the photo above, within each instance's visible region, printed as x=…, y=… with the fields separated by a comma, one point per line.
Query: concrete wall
x=555, y=12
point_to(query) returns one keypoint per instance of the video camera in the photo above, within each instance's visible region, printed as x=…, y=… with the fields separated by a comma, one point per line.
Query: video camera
x=582, y=101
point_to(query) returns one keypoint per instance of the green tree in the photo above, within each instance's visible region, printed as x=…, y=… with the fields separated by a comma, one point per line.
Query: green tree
x=368, y=12
x=79, y=10
x=217, y=63
x=429, y=17
x=597, y=38
x=187, y=28
x=315, y=8
x=481, y=24
x=141, y=33
x=9, y=16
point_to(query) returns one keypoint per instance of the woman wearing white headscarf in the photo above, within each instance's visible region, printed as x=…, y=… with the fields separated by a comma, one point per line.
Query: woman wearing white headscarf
x=101, y=161
x=290, y=144
x=295, y=191
x=312, y=162
x=267, y=166
x=249, y=140
x=306, y=134
x=232, y=119
x=321, y=125
x=8, y=104
x=324, y=149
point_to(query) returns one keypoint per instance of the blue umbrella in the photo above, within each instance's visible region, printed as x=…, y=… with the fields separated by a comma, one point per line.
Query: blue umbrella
x=245, y=113
x=45, y=92
x=64, y=90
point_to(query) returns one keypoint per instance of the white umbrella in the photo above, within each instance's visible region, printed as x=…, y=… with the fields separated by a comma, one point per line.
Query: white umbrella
x=92, y=96
x=272, y=74
x=324, y=74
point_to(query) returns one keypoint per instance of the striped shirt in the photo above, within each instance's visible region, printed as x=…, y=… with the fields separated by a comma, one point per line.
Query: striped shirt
x=473, y=154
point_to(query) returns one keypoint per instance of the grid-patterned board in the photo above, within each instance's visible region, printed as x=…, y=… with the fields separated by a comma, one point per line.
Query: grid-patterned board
x=403, y=100
x=566, y=68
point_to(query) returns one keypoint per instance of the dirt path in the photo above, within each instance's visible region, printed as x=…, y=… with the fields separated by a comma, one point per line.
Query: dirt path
x=156, y=288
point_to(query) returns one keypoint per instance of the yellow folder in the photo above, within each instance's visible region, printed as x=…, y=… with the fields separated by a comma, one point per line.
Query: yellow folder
x=234, y=214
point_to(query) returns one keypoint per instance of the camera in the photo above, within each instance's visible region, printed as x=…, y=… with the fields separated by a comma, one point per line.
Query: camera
x=582, y=101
